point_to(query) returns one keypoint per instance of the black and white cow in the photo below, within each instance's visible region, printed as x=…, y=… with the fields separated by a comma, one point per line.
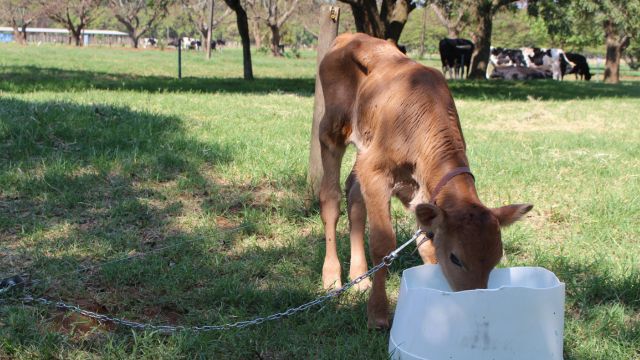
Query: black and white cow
x=149, y=42
x=549, y=60
x=518, y=73
x=191, y=43
x=455, y=55
x=500, y=57
x=581, y=67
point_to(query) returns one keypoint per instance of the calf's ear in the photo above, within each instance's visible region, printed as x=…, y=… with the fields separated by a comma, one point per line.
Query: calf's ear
x=429, y=215
x=509, y=214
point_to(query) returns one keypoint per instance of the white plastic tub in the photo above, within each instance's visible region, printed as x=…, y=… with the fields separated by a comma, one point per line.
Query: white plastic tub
x=519, y=316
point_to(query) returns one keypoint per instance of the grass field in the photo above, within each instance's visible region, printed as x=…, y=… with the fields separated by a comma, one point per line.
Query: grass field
x=104, y=154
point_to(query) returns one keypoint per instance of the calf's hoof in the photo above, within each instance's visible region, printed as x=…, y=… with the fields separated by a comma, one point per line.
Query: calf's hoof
x=379, y=323
x=363, y=285
x=331, y=284
x=331, y=278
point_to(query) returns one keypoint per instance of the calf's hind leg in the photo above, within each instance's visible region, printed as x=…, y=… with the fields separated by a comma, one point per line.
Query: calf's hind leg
x=330, y=195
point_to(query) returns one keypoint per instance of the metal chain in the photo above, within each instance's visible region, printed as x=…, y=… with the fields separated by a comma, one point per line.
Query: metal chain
x=386, y=262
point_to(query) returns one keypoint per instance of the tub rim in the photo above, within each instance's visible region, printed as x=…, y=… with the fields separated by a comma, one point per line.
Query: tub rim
x=404, y=283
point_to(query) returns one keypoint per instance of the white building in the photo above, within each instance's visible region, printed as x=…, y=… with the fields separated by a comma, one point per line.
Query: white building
x=61, y=36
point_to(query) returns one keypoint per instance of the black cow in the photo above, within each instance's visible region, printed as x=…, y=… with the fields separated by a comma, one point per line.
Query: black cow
x=217, y=44
x=455, y=54
x=581, y=67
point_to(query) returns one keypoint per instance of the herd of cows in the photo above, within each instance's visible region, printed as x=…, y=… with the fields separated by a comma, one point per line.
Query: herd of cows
x=186, y=43
x=513, y=64
x=455, y=54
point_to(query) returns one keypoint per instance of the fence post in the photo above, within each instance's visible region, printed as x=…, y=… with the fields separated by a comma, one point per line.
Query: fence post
x=179, y=58
x=329, y=21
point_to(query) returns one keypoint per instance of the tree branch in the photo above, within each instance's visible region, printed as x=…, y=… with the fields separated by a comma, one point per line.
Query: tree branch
x=219, y=20
x=288, y=13
x=624, y=42
x=306, y=28
x=443, y=20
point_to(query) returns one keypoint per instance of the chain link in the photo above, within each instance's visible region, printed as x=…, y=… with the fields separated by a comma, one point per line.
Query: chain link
x=386, y=262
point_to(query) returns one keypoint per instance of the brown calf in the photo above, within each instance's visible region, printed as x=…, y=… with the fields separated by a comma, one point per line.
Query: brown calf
x=401, y=117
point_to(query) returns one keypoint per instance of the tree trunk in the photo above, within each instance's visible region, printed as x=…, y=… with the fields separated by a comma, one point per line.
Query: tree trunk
x=203, y=35
x=367, y=20
x=482, y=51
x=24, y=34
x=76, y=36
x=453, y=32
x=612, y=63
x=243, y=29
x=387, y=23
x=329, y=21
x=17, y=35
x=615, y=46
x=275, y=41
x=255, y=30
x=75, y=33
x=395, y=17
x=135, y=40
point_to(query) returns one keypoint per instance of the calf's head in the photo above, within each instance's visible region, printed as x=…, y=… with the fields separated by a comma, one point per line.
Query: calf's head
x=467, y=239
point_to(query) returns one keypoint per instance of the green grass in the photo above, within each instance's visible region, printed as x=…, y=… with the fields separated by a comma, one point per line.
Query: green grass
x=105, y=154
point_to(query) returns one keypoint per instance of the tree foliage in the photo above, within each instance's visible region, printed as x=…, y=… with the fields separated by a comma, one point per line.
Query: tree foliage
x=514, y=28
x=632, y=55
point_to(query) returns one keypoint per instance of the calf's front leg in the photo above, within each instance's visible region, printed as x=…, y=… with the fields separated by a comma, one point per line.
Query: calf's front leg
x=357, y=213
x=382, y=241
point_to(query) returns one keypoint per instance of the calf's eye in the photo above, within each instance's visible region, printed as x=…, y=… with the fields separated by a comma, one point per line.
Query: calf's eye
x=454, y=259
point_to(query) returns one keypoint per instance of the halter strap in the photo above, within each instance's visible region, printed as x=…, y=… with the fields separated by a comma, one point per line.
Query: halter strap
x=445, y=179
